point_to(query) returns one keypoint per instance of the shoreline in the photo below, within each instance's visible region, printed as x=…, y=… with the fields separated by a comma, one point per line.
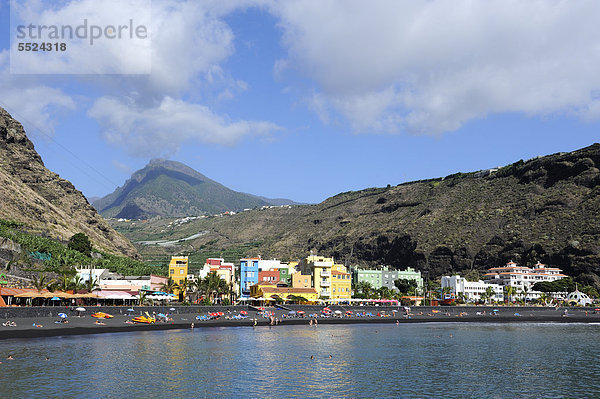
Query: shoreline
x=26, y=326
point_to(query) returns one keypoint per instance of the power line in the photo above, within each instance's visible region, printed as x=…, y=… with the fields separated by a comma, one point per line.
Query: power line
x=65, y=149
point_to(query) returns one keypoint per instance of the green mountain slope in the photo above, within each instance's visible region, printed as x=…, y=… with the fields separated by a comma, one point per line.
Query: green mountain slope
x=546, y=209
x=172, y=189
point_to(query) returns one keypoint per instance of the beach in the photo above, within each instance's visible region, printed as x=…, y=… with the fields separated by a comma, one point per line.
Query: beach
x=182, y=318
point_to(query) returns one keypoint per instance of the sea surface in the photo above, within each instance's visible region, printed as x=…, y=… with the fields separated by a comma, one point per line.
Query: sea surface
x=452, y=360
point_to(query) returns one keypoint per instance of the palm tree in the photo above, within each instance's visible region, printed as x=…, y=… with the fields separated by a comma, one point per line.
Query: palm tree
x=200, y=288
x=544, y=298
x=91, y=284
x=384, y=293
x=77, y=284
x=169, y=286
x=524, y=293
x=213, y=284
x=65, y=282
x=489, y=293
x=364, y=289
x=509, y=292
x=40, y=281
x=142, y=297
x=184, y=287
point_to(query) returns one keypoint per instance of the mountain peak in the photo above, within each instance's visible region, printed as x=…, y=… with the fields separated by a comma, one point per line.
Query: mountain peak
x=172, y=189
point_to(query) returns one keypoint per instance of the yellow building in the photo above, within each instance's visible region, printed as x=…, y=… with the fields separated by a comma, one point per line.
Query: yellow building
x=320, y=268
x=341, y=282
x=178, y=270
x=269, y=290
x=300, y=280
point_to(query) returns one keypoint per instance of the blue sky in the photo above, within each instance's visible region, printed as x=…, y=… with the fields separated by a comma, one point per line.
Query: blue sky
x=306, y=99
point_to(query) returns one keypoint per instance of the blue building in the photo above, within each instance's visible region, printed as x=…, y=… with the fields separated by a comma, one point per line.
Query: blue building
x=248, y=275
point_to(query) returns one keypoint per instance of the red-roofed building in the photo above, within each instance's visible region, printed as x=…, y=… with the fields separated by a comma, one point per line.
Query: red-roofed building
x=522, y=278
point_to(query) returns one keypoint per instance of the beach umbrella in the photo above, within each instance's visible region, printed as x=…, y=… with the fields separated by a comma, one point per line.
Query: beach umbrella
x=172, y=309
x=338, y=312
x=62, y=315
x=80, y=309
x=55, y=298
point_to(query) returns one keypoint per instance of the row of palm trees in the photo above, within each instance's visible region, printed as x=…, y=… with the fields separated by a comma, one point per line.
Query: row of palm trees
x=64, y=282
x=211, y=287
x=364, y=290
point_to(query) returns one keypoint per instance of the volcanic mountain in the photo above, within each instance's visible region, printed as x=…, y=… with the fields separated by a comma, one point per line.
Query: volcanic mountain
x=172, y=189
x=544, y=209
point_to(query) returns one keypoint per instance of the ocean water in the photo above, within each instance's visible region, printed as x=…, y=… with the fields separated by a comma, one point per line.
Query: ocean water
x=417, y=360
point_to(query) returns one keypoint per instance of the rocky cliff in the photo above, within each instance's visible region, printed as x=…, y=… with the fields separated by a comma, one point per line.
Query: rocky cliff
x=46, y=203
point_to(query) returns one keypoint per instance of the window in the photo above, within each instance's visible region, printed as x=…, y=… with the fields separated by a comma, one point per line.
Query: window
x=181, y=271
x=172, y=271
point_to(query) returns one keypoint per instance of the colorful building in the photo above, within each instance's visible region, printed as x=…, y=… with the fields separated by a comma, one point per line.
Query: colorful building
x=300, y=280
x=270, y=290
x=320, y=269
x=250, y=268
x=178, y=271
x=225, y=270
x=269, y=275
x=248, y=275
x=384, y=277
x=341, y=283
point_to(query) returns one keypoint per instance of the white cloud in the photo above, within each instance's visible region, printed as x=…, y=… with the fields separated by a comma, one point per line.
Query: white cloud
x=125, y=169
x=162, y=129
x=189, y=41
x=431, y=66
x=33, y=104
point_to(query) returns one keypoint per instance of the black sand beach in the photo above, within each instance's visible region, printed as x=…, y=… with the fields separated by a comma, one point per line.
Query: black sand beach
x=182, y=318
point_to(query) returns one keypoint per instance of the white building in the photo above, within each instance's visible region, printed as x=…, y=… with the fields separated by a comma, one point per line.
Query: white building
x=471, y=290
x=522, y=278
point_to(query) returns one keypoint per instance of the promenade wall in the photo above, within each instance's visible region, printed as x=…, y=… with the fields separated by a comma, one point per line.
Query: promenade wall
x=52, y=311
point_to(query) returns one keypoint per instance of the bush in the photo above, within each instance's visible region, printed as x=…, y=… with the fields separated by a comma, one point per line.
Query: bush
x=80, y=243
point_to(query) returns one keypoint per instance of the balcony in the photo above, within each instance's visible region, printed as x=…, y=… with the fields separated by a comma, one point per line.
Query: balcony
x=325, y=293
x=325, y=273
x=325, y=283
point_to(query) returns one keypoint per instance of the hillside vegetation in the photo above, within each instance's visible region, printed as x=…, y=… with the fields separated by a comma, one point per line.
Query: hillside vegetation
x=545, y=209
x=28, y=254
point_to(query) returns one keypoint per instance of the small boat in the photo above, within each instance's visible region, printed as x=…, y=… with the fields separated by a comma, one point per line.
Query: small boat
x=144, y=319
x=102, y=315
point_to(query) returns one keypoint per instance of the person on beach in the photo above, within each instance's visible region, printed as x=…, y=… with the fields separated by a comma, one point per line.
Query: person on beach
x=310, y=323
x=10, y=357
x=101, y=323
x=192, y=326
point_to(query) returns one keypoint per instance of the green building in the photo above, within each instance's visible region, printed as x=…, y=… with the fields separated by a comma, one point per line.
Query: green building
x=384, y=277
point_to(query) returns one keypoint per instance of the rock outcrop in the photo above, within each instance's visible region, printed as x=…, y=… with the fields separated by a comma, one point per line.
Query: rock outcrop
x=42, y=200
